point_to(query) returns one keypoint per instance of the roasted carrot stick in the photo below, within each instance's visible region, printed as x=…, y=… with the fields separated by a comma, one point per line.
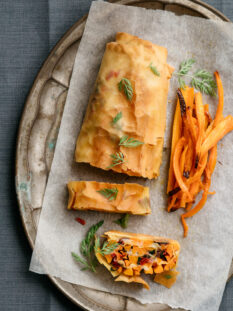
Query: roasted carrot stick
x=195, y=210
x=195, y=153
x=208, y=118
x=189, y=158
x=176, y=158
x=194, y=188
x=188, y=94
x=209, y=129
x=185, y=226
x=182, y=159
x=172, y=203
x=217, y=133
x=186, y=115
x=219, y=112
x=200, y=113
x=211, y=161
x=200, y=169
x=182, y=162
x=176, y=134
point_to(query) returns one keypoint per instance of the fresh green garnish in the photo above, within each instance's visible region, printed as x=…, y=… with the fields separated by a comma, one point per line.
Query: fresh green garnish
x=154, y=70
x=202, y=80
x=106, y=248
x=181, y=83
x=168, y=276
x=109, y=194
x=123, y=221
x=126, y=85
x=185, y=66
x=129, y=142
x=87, y=249
x=117, y=159
x=87, y=266
x=117, y=118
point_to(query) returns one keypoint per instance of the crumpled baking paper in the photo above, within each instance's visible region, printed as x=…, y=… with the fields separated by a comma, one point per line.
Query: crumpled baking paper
x=206, y=253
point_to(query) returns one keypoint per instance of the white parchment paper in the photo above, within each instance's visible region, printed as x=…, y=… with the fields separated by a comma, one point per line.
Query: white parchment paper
x=206, y=253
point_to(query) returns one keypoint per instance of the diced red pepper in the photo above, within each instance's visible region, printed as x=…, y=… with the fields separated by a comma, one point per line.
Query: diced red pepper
x=144, y=260
x=114, y=261
x=80, y=220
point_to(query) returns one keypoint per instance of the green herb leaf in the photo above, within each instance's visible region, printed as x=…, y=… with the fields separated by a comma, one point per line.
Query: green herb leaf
x=168, y=276
x=206, y=86
x=126, y=85
x=118, y=158
x=88, y=243
x=181, y=83
x=97, y=244
x=87, y=248
x=185, y=66
x=154, y=70
x=202, y=80
x=109, y=194
x=84, y=262
x=123, y=221
x=117, y=118
x=129, y=142
x=203, y=74
x=106, y=248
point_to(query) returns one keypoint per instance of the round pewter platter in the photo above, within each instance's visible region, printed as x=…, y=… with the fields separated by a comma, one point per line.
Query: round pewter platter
x=37, y=136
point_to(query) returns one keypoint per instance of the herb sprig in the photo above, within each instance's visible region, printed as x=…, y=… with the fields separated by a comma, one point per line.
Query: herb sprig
x=123, y=221
x=109, y=194
x=129, y=142
x=117, y=158
x=185, y=66
x=202, y=80
x=87, y=249
x=154, y=70
x=106, y=249
x=126, y=86
x=117, y=118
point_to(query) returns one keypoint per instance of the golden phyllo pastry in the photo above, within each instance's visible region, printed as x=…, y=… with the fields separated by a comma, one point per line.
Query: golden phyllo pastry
x=115, y=198
x=127, y=255
x=124, y=126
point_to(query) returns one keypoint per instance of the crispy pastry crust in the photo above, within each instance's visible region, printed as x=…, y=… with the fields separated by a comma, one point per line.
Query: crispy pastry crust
x=143, y=118
x=117, y=235
x=131, y=198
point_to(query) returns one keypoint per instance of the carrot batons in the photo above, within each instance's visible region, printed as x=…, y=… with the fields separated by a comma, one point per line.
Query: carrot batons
x=194, y=150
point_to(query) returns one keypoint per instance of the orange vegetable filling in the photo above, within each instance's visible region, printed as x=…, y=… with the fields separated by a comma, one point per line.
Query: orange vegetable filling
x=133, y=257
x=194, y=150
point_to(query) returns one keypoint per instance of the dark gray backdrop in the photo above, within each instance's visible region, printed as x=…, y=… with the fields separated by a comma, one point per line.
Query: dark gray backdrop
x=28, y=31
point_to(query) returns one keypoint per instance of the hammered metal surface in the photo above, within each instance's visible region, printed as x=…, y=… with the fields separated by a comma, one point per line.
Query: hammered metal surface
x=38, y=132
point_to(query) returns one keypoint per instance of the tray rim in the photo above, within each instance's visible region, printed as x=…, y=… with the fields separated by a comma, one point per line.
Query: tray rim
x=58, y=44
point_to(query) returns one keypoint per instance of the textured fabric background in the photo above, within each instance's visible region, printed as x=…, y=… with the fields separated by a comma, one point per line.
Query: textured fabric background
x=28, y=31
